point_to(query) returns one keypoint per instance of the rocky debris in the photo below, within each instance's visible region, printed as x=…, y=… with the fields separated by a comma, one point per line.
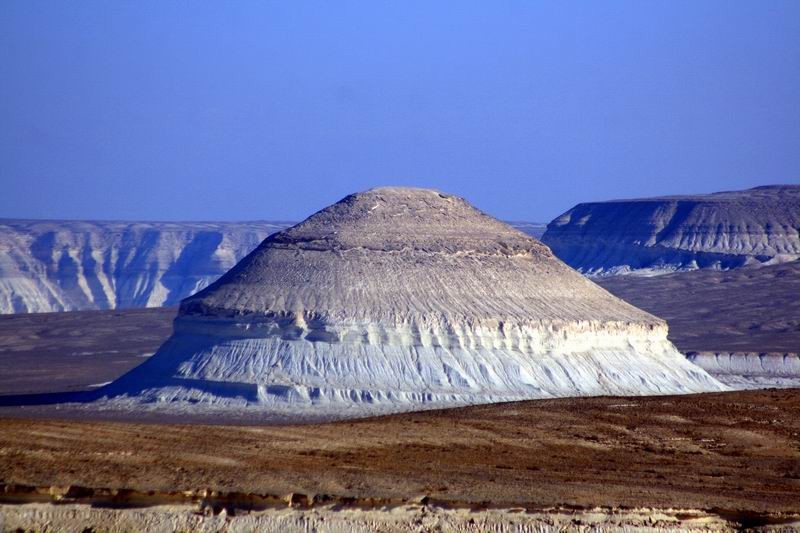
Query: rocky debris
x=39, y=517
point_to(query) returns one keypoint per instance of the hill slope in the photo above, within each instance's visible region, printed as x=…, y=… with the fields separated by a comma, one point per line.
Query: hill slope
x=77, y=265
x=397, y=299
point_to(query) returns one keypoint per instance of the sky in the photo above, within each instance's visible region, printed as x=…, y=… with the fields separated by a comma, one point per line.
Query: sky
x=166, y=110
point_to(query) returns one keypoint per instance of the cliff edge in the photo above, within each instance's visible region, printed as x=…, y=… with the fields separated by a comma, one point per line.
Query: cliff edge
x=721, y=230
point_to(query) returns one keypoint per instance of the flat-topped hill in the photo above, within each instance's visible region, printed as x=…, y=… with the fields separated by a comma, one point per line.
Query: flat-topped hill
x=721, y=230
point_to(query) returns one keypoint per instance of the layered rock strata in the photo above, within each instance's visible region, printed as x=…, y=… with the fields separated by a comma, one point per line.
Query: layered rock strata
x=751, y=370
x=52, y=265
x=722, y=230
x=77, y=265
x=398, y=298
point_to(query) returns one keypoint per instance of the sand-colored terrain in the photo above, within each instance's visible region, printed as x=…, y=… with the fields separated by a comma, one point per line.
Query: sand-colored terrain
x=713, y=461
x=754, y=309
x=731, y=455
x=335, y=518
x=55, y=352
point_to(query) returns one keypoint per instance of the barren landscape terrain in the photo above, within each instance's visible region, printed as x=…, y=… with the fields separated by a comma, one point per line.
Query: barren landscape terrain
x=53, y=352
x=257, y=272
x=716, y=460
x=745, y=310
x=734, y=455
x=755, y=309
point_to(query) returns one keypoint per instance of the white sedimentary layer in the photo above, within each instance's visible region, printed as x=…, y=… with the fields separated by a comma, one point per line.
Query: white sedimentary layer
x=750, y=370
x=55, y=265
x=374, y=366
x=410, y=517
x=398, y=299
x=72, y=265
x=660, y=235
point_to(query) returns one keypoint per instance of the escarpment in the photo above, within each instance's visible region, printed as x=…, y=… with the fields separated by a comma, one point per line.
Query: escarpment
x=74, y=265
x=397, y=299
x=722, y=230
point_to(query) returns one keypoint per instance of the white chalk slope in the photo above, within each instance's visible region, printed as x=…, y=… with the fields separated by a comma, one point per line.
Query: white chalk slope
x=649, y=236
x=70, y=265
x=751, y=370
x=395, y=299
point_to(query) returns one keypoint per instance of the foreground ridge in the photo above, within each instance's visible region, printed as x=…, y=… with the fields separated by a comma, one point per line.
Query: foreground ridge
x=28, y=507
x=731, y=457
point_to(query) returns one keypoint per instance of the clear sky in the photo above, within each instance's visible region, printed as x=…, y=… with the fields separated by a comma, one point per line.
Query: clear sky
x=271, y=110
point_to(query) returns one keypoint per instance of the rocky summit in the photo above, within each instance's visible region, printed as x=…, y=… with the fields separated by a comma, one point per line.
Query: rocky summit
x=397, y=299
x=722, y=231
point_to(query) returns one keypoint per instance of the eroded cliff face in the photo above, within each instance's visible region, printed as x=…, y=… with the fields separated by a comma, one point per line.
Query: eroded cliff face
x=722, y=230
x=751, y=370
x=74, y=265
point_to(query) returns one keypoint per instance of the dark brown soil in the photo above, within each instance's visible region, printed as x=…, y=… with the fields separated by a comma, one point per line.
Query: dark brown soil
x=735, y=451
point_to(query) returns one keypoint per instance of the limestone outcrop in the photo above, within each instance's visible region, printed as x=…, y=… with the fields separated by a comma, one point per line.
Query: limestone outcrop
x=68, y=265
x=77, y=265
x=722, y=230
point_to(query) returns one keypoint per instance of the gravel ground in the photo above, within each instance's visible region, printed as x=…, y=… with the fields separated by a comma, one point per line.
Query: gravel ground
x=738, y=452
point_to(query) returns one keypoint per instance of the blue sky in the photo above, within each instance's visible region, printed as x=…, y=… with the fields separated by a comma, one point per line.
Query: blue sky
x=271, y=110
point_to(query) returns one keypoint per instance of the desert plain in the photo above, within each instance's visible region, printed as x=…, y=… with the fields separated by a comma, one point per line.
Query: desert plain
x=723, y=460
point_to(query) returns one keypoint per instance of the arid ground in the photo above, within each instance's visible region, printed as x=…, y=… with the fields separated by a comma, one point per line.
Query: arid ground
x=754, y=309
x=50, y=352
x=734, y=454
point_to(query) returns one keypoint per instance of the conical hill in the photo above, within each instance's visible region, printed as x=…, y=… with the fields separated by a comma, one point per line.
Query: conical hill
x=396, y=299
